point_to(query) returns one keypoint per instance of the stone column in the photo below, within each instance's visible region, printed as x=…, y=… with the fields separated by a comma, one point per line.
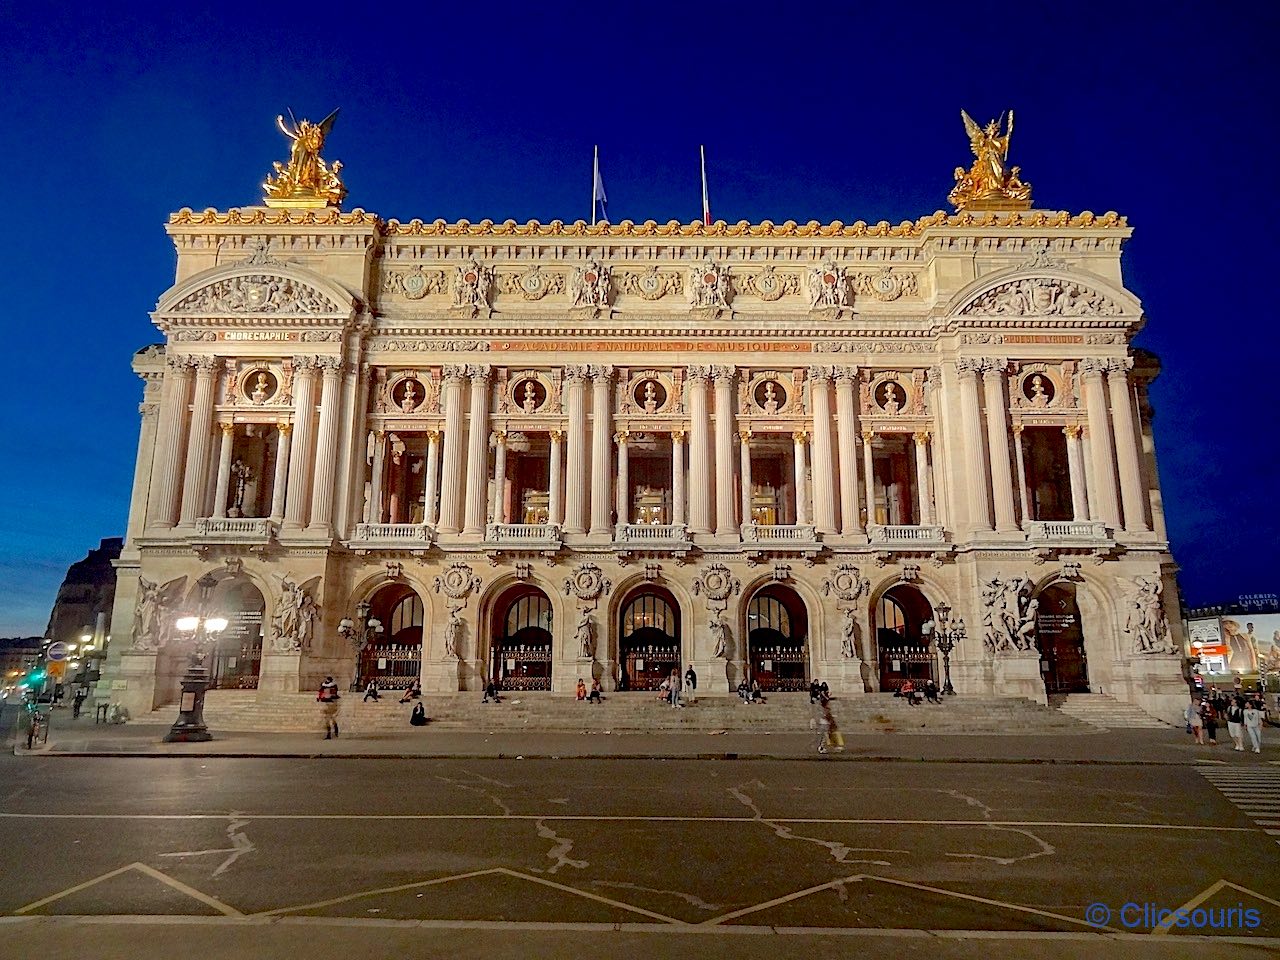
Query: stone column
x=1020, y=460
x=1075, y=467
x=377, y=476
x=304, y=410
x=621, y=505
x=677, y=478
x=601, y=432
x=971, y=425
x=744, y=459
x=1105, y=507
x=923, y=484
x=327, y=447
x=499, y=440
x=451, y=470
x=1131, y=494
x=699, y=480
x=993, y=375
x=478, y=451
x=224, y=469
x=802, y=473
x=162, y=510
x=824, y=494
x=846, y=437
x=284, y=434
x=433, y=472
x=351, y=433
x=868, y=471
x=198, y=442
x=575, y=497
x=724, y=378
x=555, y=496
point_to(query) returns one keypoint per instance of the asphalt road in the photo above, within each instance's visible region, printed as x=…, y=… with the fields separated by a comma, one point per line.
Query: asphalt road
x=654, y=858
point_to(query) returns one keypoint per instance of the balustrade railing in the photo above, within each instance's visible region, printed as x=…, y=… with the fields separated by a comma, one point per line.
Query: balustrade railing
x=651, y=533
x=1066, y=530
x=394, y=532
x=905, y=533
x=249, y=528
x=779, y=533
x=527, y=533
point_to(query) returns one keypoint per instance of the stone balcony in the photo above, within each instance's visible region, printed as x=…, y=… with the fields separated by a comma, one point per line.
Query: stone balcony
x=652, y=537
x=793, y=538
x=392, y=536
x=1087, y=532
x=906, y=536
x=234, y=530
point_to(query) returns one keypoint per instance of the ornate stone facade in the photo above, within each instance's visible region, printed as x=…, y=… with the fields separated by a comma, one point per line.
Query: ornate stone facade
x=780, y=459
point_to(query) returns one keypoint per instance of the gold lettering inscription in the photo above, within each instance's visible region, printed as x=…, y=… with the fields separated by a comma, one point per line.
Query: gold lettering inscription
x=257, y=335
x=1043, y=338
x=655, y=346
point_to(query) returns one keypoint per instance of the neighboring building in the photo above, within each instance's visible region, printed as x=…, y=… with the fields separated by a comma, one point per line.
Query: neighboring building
x=537, y=451
x=84, y=601
x=1240, y=638
x=16, y=655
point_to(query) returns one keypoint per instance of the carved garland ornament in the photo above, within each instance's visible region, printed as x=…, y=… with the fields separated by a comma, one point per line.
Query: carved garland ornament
x=717, y=583
x=457, y=582
x=415, y=283
x=887, y=286
x=588, y=583
x=652, y=284
x=847, y=583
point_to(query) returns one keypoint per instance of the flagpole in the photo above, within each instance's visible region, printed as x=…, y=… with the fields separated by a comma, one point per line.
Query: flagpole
x=595, y=179
x=706, y=203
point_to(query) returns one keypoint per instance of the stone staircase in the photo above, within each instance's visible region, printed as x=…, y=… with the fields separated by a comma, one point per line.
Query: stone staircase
x=236, y=710
x=1105, y=711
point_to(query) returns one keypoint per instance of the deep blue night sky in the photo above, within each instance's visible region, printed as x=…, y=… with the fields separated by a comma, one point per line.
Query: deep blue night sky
x=112, y=120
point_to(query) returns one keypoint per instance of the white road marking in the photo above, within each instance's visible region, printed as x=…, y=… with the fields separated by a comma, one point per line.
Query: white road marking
x=240, y=845
x=560, y=852
x=1255, y=792
x=140, y=868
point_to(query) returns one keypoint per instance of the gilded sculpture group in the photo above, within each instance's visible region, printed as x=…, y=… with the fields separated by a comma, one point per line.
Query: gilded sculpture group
x=989, y=184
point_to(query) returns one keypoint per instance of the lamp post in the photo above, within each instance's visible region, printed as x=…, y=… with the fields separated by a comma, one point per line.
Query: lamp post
x=948, y=634
x=361, y=632
x=203, y=630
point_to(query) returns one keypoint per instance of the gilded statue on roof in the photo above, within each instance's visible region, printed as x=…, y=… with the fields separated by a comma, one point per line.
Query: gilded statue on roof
x=990, y=184
x=306, y=181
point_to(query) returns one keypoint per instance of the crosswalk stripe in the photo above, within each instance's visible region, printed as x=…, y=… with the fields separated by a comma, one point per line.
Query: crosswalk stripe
x=1256, y=794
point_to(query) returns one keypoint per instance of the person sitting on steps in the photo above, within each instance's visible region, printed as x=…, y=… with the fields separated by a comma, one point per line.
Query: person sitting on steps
x=595, y=695
x=491, y=693
x=371, y=691
x=419, y=716
x=414, y=692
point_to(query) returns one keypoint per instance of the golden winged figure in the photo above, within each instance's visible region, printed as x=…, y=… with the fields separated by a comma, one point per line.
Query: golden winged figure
x=990, y=184
x=306, y=181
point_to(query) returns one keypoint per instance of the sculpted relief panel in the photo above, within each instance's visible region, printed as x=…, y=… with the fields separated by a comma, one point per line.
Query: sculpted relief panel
x=260, y=293
x=1042, y=297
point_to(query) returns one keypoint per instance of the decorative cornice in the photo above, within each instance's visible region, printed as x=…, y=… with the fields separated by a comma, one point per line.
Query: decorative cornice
x=649, y=228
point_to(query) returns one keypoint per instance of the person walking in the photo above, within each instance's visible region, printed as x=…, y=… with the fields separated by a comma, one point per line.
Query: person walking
x=691, y=682
x=835, y=739
x=328, y=698
x=1253, y=724
x=675, y=689
x=818, y=722
x=78, y=702
x=1195, y=721
x=371, y=691
x=1235, y=722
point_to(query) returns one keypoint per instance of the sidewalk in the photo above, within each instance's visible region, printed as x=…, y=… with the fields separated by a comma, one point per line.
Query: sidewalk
x=82, y=738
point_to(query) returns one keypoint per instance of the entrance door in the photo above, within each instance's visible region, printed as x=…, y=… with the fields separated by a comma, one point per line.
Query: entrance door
x=648, y=640
x=1061, y=640
x=520, y=653
x=776, y=633
x=903, y=646
x=237, y=656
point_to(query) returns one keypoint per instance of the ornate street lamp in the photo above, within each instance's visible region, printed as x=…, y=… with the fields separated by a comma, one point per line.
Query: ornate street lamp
x=948, y=634
x=360, y=632
x=202, y=630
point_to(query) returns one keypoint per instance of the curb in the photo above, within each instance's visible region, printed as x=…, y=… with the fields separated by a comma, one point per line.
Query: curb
x=846, y=758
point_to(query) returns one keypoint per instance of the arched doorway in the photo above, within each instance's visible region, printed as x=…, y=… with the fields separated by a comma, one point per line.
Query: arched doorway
x=648, y=639
x=237, y=656
x=393, y=655
x=1061, y=640
x=903, y=628
x=777, y=634
x=520, y=646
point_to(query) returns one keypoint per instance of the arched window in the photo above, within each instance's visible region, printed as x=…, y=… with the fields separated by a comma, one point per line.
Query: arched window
x=648, y=611
x=769, y=613
x=407, y=614
x=891, y=616
x=531, y=610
